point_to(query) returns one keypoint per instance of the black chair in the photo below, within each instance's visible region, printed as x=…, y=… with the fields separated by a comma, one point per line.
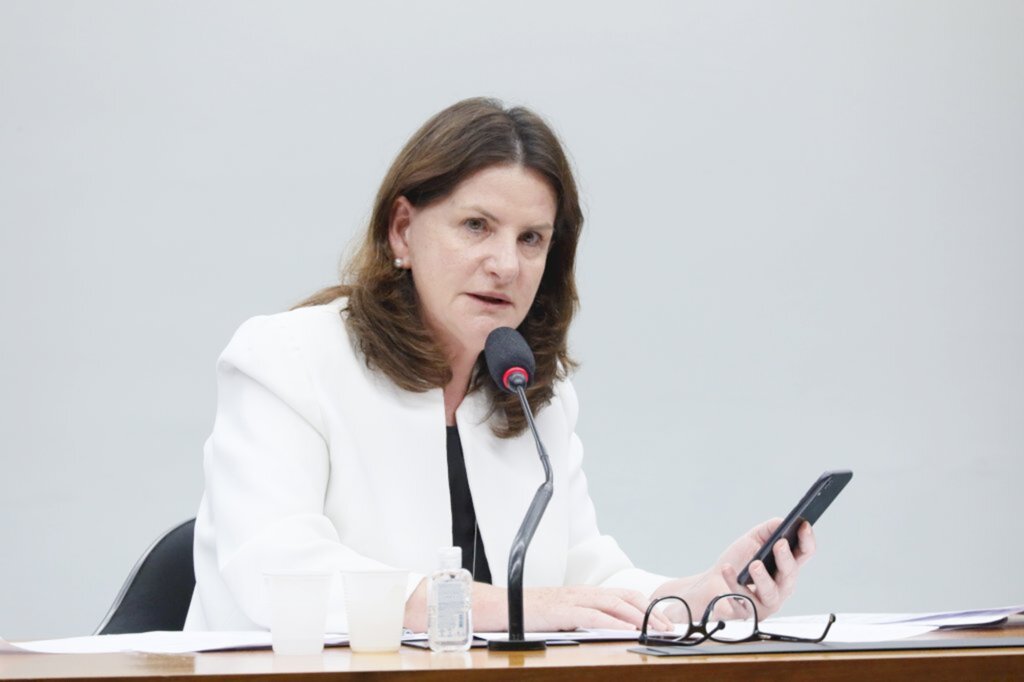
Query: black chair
x=157, y=592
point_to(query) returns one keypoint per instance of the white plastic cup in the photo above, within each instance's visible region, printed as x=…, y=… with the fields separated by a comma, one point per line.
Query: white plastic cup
x=375, y=606
x=298, y=611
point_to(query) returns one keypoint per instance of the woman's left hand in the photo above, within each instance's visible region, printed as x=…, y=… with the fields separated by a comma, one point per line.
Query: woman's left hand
x=767, y=593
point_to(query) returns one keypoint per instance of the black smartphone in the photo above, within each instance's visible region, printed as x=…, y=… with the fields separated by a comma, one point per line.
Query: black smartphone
x=809, y=508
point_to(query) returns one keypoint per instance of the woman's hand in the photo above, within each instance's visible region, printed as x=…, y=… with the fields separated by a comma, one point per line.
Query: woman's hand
x=767, y=593
x=548, y=609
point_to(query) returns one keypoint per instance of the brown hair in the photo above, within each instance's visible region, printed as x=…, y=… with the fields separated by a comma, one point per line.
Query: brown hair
x=383, y=310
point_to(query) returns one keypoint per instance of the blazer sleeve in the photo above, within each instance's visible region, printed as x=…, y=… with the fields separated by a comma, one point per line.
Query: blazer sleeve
x=267, y=469
x=593, y=559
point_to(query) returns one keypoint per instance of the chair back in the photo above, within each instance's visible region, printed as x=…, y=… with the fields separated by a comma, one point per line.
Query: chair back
x=158, y=590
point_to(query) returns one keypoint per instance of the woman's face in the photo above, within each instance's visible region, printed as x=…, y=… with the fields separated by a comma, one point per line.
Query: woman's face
x=477, y=255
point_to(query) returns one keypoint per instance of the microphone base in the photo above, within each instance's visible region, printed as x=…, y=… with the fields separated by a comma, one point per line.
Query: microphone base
x=517, y=645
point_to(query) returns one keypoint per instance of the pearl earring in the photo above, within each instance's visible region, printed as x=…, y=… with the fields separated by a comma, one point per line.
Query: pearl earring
x=399, y=263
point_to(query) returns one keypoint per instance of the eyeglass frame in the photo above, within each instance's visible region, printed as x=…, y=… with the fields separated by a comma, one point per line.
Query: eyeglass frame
x=757, y=635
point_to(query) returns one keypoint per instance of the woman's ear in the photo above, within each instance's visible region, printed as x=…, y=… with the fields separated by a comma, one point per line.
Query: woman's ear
x=398, y=227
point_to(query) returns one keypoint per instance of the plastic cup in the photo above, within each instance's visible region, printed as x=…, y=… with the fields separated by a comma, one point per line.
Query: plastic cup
x=375, y=606
x=298, y=611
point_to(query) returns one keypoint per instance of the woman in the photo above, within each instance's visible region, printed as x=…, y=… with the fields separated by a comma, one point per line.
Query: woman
x=329, y=452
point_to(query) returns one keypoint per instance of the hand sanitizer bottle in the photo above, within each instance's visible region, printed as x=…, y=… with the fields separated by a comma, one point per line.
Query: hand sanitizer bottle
x=449, y=602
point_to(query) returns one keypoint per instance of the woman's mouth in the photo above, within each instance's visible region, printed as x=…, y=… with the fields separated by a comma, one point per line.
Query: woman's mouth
x=491, y=299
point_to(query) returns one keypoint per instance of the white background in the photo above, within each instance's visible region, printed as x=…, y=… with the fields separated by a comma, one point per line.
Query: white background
x=803, y=251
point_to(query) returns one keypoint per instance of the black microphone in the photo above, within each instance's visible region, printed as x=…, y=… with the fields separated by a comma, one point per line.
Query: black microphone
x=509, y=359
x=511, y=364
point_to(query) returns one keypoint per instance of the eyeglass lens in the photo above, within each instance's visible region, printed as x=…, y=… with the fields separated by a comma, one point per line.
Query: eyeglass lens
x=730, y=618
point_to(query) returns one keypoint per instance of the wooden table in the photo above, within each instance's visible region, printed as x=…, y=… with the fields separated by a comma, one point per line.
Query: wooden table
x=588, y=661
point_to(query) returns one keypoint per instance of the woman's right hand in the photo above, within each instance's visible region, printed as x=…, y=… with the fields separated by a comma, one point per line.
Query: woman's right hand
x=548, y=609
x=551, y=609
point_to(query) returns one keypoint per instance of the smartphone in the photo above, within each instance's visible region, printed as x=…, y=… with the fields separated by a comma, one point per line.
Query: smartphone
x=809, y=508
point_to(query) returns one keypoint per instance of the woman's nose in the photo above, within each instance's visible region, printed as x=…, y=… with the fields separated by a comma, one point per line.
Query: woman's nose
x=503, y=259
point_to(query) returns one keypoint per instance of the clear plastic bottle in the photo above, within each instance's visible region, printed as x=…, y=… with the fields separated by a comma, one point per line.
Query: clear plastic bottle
x=449, y=604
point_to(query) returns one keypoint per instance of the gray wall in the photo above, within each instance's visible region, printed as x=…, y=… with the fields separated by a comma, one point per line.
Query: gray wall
x=803, y=251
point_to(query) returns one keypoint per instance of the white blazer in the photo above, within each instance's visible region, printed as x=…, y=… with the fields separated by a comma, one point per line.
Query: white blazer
x=317, y=462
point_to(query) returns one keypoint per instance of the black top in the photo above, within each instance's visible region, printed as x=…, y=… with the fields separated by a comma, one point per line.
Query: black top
x=463, y=513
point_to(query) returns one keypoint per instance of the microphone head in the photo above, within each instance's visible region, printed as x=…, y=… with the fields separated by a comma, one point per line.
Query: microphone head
x=509, y=359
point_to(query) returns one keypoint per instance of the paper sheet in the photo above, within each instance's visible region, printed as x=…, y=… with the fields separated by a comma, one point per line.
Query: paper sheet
x=939, y=619
x=811, y=628
x=154, y=643
x=807, y=627
x=568, y=636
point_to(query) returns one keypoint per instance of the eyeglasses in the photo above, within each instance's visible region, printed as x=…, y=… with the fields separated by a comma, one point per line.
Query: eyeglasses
x=729, y=618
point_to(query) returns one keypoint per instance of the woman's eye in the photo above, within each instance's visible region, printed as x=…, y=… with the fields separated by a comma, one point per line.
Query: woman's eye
x=532, y=238
x=475, y=224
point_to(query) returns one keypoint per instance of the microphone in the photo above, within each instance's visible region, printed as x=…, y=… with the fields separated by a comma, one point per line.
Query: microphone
x=509, y=359
x=511, y=365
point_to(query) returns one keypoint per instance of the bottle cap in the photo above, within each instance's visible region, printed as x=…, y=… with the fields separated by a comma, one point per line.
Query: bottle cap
x=450, y=557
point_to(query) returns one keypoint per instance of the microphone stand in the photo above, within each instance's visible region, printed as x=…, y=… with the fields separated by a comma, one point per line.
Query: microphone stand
x=517, y=556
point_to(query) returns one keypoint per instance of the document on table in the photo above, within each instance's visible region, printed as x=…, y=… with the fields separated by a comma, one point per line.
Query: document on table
x=942, y=619
x=809, y=627
x=154, y=643
x=567, y=636
x=882, y=627
x=849, y=627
